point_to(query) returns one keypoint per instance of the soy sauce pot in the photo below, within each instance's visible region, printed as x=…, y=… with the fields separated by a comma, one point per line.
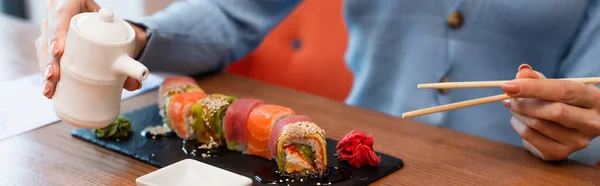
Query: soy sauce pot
x=94, y=66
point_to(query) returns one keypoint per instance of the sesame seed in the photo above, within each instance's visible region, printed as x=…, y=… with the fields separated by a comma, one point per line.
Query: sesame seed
x=155, y=130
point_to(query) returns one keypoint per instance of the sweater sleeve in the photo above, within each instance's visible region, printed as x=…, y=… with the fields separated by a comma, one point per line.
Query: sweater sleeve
x=583, y=58
x=194, y=37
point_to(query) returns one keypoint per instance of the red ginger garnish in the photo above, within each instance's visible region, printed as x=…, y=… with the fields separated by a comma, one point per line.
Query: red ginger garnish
x=357, y=149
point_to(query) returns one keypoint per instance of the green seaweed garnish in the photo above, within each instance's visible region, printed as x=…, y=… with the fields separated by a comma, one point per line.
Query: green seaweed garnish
x=121, y=127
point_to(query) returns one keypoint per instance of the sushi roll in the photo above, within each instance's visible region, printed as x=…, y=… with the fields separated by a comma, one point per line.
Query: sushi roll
x=170, y=87
x=207, y=117
x=235, y=123
x=298, y=145
x=278, y=127
x=179, y=111
x=259, y=127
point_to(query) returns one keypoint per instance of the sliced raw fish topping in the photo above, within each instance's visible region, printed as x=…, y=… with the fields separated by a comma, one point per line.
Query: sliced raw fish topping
x=259, y=127
x=236, y=119
x=179, y=108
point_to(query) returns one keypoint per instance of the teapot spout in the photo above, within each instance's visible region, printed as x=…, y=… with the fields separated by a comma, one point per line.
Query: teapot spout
x=128, y=66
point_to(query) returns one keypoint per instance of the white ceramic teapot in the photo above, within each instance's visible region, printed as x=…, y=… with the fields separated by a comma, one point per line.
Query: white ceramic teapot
x=93, y=68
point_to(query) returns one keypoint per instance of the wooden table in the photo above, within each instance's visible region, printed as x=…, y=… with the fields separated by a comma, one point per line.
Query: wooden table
x=433, y=156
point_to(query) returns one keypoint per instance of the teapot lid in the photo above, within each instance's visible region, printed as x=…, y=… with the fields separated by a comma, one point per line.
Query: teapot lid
x=103, y=26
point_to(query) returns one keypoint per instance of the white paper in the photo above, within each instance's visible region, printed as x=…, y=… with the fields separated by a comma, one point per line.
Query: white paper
x=23, y=106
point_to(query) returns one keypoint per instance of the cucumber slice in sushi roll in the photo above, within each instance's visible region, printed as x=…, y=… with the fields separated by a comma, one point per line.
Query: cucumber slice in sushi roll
x=208, y=117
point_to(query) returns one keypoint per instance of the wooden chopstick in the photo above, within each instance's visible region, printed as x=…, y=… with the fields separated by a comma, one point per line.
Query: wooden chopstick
x=490, y=84
x=456, y=105
x=473, y=102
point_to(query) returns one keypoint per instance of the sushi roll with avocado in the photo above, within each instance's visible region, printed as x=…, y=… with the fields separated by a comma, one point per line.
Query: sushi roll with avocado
x=298, y=145
x=179, y=112
x=171, y=87
x=207, y=118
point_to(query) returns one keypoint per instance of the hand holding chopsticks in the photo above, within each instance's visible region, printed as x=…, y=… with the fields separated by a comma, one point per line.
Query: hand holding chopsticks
x=554, y=117
x=474, y=102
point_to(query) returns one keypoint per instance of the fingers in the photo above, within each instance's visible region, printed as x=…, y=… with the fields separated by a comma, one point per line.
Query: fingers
x=49, y=88
x=58, y=25
x=50, y=45
x=555, y=131
x=91, y=6
x=540, y=145
x=52, y=72
x=532, y=149
x=569, y=92
x=583, y=120
x=548, y=114
x=132, y=84
x=51, y=77
x=525, y=71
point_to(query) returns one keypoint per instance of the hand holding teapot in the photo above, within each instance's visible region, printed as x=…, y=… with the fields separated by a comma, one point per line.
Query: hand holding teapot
x=51, y=43
x=85, y=55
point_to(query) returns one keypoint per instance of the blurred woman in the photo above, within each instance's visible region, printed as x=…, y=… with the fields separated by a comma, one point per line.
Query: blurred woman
x=394, y=45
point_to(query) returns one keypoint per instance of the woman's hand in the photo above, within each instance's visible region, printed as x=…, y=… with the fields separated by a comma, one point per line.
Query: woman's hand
x=554, y=117
x=51, y=43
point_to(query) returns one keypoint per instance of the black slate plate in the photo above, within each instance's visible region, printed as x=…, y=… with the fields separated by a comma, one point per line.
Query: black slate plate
x=162, y=152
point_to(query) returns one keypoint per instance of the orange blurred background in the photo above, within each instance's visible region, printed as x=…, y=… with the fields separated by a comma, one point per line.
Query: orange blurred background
x=305, y=52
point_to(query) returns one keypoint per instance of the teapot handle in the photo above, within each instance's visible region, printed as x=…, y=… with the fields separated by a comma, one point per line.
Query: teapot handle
x=126, y=65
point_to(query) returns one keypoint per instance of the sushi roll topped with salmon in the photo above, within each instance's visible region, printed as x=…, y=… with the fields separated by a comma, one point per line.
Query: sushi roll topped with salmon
x=260, y=121
x=171, y=87
x=179, y=113
x=175, y=85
